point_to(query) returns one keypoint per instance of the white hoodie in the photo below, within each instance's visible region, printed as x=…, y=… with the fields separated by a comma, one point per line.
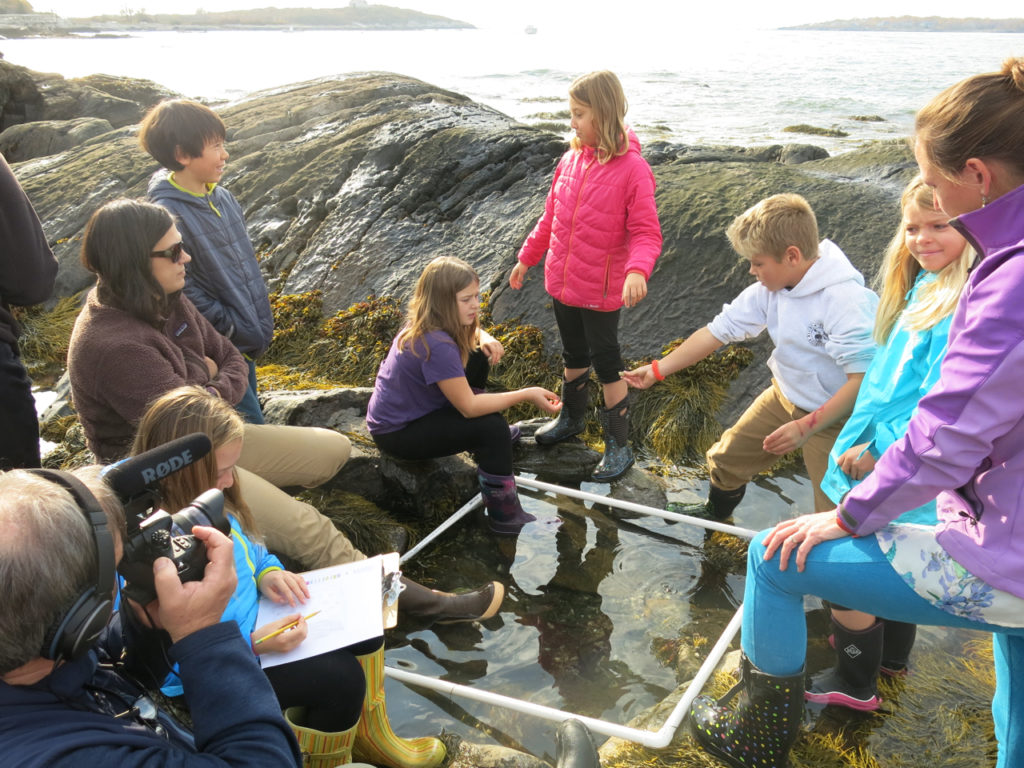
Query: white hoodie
x=821, y=327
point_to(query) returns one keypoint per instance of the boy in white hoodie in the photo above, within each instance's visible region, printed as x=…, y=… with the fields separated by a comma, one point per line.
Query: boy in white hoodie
x=819, y=315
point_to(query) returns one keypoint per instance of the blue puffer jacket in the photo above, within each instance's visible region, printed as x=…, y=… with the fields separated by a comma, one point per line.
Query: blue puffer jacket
x=224, y=279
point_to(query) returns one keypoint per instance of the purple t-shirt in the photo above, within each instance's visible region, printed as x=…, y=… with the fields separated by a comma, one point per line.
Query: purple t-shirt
x=406, y=386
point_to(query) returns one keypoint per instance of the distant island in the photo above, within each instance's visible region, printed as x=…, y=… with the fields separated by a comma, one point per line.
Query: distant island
x=915, y=24
x=18, y=19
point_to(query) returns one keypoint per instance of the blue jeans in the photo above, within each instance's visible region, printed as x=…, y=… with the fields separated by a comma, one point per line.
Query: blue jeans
x=854, y=573
x=249, y=405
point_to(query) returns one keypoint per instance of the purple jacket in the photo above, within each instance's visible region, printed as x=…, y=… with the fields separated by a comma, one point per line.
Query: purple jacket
x=968, y=433
x=600, y=223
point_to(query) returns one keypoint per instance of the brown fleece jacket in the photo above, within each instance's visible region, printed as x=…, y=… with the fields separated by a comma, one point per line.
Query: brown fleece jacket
x=119, y=364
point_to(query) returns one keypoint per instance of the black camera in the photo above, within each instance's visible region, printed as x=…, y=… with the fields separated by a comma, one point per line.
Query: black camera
x=152, y=534
x=165, y=535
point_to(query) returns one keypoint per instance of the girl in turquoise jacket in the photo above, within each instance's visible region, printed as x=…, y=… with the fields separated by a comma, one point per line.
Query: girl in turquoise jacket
x=920, y=281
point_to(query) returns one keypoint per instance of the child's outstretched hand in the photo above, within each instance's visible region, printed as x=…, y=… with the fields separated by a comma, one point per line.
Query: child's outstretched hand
x=786, y=438
x=639, y=378
x=633, y=290
x=283, y=642
x=284, y=587
x=544, y=399
x=518, y=274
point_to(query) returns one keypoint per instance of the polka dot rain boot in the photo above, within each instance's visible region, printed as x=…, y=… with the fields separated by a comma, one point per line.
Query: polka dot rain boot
x=761, y=729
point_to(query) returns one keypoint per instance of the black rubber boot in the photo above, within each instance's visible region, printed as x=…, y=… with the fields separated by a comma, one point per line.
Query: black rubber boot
x=719, y=505
x=449, y=608
x=575, y=747
x=897, y=640
x=618, y=456
x=853, y=682
x=761, y=729
x=505, y=515
x=573, y=416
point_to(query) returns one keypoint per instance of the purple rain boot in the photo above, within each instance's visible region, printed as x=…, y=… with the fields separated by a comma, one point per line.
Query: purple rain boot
x=505, y=515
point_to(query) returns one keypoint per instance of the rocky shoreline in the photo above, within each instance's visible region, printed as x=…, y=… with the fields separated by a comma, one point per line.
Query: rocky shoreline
x=351, y=184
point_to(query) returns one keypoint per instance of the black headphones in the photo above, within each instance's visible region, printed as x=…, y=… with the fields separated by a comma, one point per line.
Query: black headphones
x=76, y=629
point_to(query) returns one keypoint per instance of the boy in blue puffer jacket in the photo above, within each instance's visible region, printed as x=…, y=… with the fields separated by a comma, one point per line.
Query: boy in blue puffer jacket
x=223, y=280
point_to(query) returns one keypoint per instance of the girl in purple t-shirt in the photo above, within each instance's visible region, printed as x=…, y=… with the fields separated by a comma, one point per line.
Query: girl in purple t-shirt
x=428, y=400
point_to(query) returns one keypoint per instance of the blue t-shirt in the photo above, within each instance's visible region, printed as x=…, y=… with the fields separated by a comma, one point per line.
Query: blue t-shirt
x=406, y=386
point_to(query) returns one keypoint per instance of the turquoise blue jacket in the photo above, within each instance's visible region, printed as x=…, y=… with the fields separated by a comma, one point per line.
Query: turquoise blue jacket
x=252, y=560
x=903, y=370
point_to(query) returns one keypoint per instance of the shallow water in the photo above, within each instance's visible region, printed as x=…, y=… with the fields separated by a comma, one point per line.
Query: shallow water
x=597, y=603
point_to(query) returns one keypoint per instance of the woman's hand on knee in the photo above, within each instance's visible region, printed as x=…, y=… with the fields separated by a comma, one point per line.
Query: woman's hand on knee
x=801, y=535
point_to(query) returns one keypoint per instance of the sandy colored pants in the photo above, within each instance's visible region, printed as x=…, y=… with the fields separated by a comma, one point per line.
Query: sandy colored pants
x=738, y=455
x=274, y=456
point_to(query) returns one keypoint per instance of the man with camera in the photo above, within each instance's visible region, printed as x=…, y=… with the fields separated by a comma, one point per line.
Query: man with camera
x=73, y=675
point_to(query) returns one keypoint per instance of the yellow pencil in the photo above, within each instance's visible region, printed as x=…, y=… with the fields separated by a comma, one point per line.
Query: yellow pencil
x=286, y=627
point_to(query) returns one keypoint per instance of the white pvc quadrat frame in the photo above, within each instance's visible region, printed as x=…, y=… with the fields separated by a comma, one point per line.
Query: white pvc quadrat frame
x=653, y=739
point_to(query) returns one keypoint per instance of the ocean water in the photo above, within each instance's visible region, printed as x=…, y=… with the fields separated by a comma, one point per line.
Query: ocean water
x=690, y=86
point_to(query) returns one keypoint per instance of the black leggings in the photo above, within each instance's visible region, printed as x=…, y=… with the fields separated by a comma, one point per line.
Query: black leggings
x=445, y=432
x=590, y=337
x=330, y=686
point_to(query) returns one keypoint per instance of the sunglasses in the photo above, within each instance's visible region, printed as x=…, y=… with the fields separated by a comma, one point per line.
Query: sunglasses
x=173, y=253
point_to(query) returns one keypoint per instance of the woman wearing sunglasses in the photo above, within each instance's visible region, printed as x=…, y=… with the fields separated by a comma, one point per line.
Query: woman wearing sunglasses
x=138, y=335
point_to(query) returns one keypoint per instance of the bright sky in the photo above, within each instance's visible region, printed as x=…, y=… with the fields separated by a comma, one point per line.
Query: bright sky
x=489, y=13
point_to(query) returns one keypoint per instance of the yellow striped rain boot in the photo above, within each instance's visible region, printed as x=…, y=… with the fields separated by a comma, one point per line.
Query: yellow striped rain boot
x=320, y=749
x=375, y=741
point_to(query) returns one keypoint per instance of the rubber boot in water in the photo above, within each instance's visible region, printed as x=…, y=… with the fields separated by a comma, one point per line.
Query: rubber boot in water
x=575, y=747
x=897, y=641
x=439, y=607
x=618, y=456
x=375, y=740
x=853, y=682
x=761, y=729
x=573, y=416
x=505, y=515
x=719, y=505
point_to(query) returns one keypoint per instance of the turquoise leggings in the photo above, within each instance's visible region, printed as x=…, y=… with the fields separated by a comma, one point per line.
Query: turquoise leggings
x=854, y=573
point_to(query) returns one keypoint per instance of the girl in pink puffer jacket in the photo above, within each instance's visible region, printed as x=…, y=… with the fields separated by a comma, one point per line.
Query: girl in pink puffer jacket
x=601, y=235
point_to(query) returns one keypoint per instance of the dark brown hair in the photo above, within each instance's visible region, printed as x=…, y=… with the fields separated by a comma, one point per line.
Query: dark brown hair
x=116, y=246
x=179, y=124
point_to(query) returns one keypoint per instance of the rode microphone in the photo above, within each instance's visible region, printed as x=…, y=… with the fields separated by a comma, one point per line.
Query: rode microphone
x=135, y=480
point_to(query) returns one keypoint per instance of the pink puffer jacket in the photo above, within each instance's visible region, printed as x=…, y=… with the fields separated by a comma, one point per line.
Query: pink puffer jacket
x=600, y=223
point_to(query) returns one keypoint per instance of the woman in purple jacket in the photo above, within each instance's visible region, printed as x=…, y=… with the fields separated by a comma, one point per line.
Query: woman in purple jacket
x=968, y=435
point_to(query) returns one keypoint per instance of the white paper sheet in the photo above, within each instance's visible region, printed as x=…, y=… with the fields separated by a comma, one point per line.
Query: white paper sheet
x=348, y=597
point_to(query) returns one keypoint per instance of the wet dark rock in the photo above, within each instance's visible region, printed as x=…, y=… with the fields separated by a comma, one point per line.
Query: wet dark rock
x=27, y=96
x=351, y=184
x=47, y=137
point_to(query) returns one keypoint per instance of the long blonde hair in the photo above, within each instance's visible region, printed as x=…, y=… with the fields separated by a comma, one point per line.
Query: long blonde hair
x=434, y=307
x=602, y=93
x=181, y=412
x=900, y=270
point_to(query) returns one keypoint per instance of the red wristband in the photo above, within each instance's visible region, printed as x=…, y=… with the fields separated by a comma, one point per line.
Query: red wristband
x=656, y=371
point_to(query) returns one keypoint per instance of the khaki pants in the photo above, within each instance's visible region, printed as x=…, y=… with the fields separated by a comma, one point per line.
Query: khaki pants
x=738, y=455
x=275, y=456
